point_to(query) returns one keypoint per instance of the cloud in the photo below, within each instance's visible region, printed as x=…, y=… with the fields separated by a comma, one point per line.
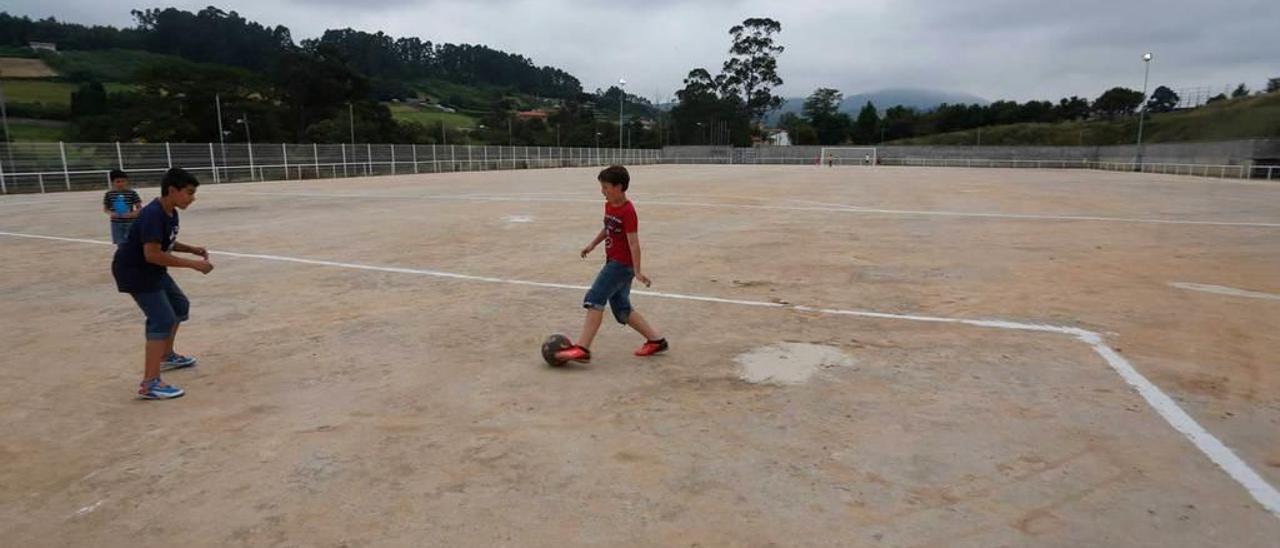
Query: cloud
x=1011, y=49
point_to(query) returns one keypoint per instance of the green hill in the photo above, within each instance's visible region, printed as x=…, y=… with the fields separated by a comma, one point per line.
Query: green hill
x=1252, y=117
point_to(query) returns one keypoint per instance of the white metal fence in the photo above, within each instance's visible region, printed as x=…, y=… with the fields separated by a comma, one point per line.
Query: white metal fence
x=52, y=167
x=1218, y=171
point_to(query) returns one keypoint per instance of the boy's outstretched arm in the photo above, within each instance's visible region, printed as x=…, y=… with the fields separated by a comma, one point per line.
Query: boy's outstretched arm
x=633, y=238
x=595, y=242
x=154, y=255
x=192, y=249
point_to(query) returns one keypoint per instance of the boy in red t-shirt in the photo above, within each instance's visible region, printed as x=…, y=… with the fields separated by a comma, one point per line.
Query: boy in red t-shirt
x=621, y=235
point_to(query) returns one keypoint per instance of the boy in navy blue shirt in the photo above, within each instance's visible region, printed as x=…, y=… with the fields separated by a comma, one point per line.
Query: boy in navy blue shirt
x=140, y=269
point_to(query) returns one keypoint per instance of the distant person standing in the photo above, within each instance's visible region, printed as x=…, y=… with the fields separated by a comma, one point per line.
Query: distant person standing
x=121, y=204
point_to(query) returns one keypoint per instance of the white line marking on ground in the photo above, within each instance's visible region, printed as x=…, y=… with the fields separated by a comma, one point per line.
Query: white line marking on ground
x=1224, y=290
x=90, y=508
x=826, y=208
x=1213, y=448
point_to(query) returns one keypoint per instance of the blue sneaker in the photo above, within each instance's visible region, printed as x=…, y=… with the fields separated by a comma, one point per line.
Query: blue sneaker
x=156, y=389
x=176, y=361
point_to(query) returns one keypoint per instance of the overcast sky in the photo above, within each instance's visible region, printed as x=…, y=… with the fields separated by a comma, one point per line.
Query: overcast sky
x=997, y=49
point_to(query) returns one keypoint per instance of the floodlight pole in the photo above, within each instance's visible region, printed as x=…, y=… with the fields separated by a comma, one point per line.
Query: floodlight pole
x=351, y=123
x=1142, y=113
x=622, y=95
x=8, y=139
x=222, y=134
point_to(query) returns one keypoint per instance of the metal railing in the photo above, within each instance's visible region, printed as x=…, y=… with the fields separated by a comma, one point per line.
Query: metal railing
x=1219, y=171
x=53, y=167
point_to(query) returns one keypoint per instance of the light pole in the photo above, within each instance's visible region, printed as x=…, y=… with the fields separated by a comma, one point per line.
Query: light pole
x=248, y=137
x=622, y=95
x=4, y=116
x=244, y=119
x=222, y=139
x=351, y=123
x=1142, y=114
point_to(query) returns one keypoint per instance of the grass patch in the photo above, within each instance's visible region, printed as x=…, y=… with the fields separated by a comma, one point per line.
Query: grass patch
x=430, y=117
x=50, y=93
x=37, y=132
x=110, y=65
x=38, y=91
x=1256, y=117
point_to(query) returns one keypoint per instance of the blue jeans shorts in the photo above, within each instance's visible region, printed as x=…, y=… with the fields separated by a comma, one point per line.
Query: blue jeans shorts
x=613, y=286
x=164, y=308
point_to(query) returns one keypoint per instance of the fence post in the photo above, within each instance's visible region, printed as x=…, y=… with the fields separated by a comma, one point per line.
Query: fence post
x=344, y=160
x=315, y=160
x=368, y=159
x=484, y=154
x=414, y=150
x=453, y=164
x=393, y=159
x=213, y=164
x=168, y=156
x=284, y=153
x=119, y=156
x=66, y=174
x=435, y=164
x=251, y=176
x=5, y=189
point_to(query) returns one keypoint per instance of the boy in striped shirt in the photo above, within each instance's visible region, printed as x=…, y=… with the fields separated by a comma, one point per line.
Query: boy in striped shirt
x=121, y=204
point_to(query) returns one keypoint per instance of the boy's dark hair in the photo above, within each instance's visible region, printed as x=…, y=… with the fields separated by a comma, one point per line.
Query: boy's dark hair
x=177, y=178
x=615, y=175
x=118, y=174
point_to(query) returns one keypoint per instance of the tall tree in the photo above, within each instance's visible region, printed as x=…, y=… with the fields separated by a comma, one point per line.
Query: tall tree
x=900, y=123
x=751, y=72
x=822, y=110
x=866, y=128
x=1117, y=101
x=1162, y=99
x=1240, y=91
x=1072, y=108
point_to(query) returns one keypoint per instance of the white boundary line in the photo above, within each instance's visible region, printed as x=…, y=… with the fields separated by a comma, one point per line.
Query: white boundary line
x=1263, y=492
x=1224, y=290
x=839, y=208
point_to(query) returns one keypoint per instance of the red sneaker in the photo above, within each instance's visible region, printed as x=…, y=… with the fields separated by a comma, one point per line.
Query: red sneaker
x=575, y=353
x=652, y=347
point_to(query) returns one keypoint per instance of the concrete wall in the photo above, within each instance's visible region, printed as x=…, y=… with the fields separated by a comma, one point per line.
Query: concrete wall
x=1217, y=153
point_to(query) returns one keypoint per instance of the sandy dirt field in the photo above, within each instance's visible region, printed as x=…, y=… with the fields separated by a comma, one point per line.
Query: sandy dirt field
x=369, y=371
x=14, y=67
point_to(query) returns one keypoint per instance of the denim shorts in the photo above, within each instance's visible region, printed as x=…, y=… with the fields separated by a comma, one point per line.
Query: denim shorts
x=164, y=308
x=613, y=286
x=119, y=231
